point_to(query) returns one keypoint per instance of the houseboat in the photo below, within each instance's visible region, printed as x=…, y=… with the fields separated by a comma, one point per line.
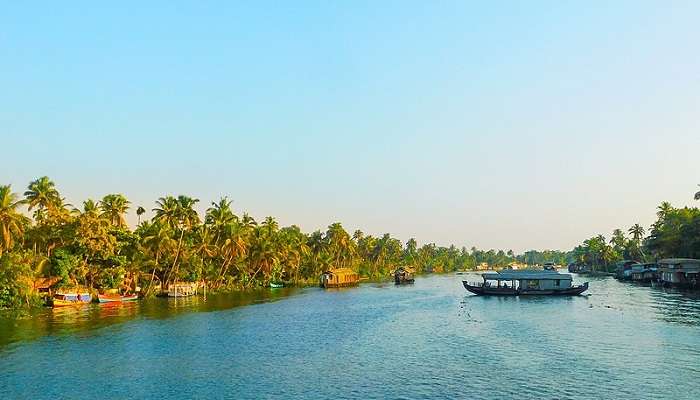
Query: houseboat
x=644, y=273
x=679, y=272
x=623, y=269
x=404, y=275
x=339, y=277
x=62, y=299
x=525, y=282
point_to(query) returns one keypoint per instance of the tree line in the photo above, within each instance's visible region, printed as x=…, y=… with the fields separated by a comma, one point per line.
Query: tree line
x=92, y=246
x=675, y=233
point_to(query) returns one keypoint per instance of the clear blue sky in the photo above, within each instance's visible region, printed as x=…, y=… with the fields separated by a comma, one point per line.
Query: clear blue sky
x=511, y=125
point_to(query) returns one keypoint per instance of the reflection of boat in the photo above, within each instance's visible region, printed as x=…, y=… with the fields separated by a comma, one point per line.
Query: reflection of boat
x=525, y=282
x=276, y=285
x=113, y=298
x=70, y=299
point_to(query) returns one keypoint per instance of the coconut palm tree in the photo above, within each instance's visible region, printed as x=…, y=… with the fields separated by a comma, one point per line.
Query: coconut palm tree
x=219, y=216
x=113, y=207
x=697, y=195
x=139, y=212
x=178, y=213
x=11, y=221
x=637, y=232
x=42, y=195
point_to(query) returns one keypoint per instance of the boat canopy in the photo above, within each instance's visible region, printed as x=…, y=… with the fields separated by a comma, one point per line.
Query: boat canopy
x=516, y=275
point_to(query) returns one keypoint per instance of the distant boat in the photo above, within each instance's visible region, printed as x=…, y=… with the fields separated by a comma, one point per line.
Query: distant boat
x=525, y=282
x=276, y=285
x=116, y=298
x=339, y=277
x=403, y=275
x=70, y=299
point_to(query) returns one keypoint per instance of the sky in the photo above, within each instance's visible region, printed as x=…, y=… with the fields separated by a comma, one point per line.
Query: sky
x=511, y=125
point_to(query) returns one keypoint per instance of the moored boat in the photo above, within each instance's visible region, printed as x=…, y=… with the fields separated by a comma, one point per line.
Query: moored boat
x=116, y=298
x=404, y=275
x=339, y=277
x=525, y=282
x=70, y=299
x=275, y=285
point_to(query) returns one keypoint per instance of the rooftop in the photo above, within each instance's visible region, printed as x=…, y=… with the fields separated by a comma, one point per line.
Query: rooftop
x=514, y=275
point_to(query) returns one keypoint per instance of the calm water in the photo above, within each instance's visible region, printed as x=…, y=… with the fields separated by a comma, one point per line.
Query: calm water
x=426, y=341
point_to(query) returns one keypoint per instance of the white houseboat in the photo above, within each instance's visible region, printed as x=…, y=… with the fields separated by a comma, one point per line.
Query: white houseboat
x=525, y=282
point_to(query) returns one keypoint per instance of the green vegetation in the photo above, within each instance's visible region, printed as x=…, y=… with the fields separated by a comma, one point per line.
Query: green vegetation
x=93, y=247
x=676, y=233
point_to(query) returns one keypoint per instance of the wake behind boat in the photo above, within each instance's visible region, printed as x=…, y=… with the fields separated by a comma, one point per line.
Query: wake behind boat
x=525, y=282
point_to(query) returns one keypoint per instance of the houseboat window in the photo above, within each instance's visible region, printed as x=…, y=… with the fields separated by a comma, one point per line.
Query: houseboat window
x=556, y=282
x=533, y=283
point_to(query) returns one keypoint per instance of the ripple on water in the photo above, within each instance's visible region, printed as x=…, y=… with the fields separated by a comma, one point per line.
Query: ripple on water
x=425, y=341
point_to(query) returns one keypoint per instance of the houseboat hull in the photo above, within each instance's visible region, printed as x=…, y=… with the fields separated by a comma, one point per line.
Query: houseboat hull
x=338, y=285
x=61, y=300
x=105, y=298
x=496, y=291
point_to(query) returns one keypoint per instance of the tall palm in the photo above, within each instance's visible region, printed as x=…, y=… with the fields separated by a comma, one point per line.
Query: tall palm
x=139, y=212
x=637, y=232
x=218, y=216
x=11, y=220
x=697, y=195
x=158, y=241
x=178, y=213
x=664, y=209
x=42, y=195
x=113, y=207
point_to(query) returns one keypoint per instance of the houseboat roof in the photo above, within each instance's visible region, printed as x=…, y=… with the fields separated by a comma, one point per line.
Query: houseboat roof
x=338, y=271
x=514, y=275
x=674, y=261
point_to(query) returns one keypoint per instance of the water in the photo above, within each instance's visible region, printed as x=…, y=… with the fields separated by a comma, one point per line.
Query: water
x=426, y=341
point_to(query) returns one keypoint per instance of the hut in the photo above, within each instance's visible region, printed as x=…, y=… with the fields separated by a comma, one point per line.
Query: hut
x=181, y=289
x=339, y=277
x=680, y=272
x=404, y=275
x=44, y=286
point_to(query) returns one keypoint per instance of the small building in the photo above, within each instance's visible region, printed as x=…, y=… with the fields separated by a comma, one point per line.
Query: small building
x=339, y=277
x=44, y=286
x=680, y=272
x=181, y=289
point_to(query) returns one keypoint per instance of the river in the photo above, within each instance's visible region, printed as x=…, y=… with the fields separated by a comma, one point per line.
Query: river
x=429, y=340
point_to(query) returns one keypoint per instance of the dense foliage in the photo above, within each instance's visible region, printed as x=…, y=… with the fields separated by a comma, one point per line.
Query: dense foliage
x=93, y=247
x=676, y=233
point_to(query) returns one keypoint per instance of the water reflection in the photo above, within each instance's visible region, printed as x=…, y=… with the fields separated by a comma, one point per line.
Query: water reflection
x=15, y=327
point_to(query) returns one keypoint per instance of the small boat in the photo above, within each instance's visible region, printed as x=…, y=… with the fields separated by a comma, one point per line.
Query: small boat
x=70, y=299
x=403, y=275
x=274, y=285
x=525, y=282
x=116, y=298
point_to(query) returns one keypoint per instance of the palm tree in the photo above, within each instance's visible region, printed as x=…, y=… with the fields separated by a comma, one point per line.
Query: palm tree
x=42, y=195
x=178, y=213
x=90, y=206
x=114, y=206
x=637, y=232
x=218, y=216
x=11, y=221
x=157, y=241
x=697, y=195
x=665, y=208
x=139, y=212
